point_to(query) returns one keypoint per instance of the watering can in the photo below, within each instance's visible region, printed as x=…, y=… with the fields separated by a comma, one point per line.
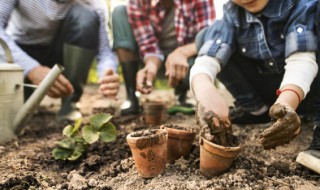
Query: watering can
x=13, y=111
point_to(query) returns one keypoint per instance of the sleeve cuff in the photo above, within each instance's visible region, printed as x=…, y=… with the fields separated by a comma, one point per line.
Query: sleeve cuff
x=160, y=56
x=205, y=65
x=301, y=69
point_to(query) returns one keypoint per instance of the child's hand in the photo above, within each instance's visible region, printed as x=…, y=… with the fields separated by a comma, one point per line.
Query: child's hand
x=286, y=126
x=212, y=127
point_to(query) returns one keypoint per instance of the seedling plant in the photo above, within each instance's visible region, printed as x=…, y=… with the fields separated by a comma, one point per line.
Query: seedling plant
x=78, y=137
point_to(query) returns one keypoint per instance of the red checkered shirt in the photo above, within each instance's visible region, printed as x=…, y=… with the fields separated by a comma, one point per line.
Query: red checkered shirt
x=146, y=18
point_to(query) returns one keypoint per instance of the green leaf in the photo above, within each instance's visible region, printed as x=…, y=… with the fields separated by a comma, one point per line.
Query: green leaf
x=60, y=153
x=89, y=134
x=67, y=144
x=79, y=150
x=67, y=131
x=70, y=130
x=74, y=156
x=98, y=120
x=108, y=133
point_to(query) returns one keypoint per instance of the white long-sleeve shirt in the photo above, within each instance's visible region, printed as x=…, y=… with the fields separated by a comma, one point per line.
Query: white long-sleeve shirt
x=35, y=22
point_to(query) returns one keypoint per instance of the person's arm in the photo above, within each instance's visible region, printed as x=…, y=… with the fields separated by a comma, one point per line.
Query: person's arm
x=19, y=56
x=106, y=58
x=202, y=76
x=205, y=14
x=143, y=31
x=300, y=70
x=109, y=80
x=177, y=63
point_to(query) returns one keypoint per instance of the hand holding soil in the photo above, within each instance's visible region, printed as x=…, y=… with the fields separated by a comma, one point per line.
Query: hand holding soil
x=286, y=126
x=144, y=81
x=213, y=128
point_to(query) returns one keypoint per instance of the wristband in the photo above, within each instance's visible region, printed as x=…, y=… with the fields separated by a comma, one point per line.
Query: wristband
x=278, y=92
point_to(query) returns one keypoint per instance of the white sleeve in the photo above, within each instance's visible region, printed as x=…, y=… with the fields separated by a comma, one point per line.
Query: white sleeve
x=206, y=65
x=301, y=69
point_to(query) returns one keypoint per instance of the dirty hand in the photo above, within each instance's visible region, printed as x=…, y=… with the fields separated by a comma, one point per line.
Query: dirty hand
x=145, y=78
x=109, y=84
x=176, y=67
x=60, y=88
x=286, y=126
x=212, y=127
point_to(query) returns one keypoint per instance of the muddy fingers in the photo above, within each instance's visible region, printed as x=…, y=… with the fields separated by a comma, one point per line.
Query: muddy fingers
x=272, y=143
x=286, y=127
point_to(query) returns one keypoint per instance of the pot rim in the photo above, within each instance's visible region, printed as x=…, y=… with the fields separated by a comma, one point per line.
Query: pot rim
x=219, y=147
x=179, y=133
x=161, y=135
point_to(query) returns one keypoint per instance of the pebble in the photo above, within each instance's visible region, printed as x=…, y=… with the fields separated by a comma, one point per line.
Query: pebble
x=92, y=182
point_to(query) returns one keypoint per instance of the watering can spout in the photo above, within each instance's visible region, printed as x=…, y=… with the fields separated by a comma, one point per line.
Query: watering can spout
x=32, y=103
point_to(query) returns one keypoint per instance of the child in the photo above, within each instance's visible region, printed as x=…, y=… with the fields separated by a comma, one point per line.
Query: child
x=261, y=47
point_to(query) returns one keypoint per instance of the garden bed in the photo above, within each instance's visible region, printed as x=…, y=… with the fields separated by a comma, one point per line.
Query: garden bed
x=26, y=162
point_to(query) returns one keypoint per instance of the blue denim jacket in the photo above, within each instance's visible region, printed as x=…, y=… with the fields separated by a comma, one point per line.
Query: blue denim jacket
x=282, y=28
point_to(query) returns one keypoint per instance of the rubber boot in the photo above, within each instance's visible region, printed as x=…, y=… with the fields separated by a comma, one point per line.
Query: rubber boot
x=131, y=105
x=77, y=62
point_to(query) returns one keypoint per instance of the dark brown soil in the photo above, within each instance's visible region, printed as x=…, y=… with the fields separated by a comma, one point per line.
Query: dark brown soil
x=26, y=162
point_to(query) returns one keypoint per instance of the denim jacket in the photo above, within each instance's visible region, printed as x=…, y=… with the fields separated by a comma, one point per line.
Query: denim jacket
x=283, y=27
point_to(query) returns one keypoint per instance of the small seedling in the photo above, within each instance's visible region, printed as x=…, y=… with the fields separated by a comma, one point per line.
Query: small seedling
x=79, y=138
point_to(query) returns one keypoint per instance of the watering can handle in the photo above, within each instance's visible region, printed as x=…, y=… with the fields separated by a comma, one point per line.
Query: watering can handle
x=7, y=51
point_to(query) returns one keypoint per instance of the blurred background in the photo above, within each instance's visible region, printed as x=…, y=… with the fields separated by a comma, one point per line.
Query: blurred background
x=93, y=76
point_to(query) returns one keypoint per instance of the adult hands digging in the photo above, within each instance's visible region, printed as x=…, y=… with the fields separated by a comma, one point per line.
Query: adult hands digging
x=213, y=128
x=286, y=126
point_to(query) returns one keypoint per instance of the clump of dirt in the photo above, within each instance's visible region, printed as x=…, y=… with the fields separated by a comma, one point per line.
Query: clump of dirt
x=214, y=129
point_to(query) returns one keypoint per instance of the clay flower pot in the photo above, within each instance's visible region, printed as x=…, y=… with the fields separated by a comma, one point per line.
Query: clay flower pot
x=180, y=139
x=149, y=151
x=216, y=159
x=153, y=113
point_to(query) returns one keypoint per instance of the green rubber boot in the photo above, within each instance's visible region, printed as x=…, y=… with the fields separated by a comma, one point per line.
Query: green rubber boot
x=77, y=62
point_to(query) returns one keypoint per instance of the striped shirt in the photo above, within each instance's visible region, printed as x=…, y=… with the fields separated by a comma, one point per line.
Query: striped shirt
x=146, y=18
x=35, y=22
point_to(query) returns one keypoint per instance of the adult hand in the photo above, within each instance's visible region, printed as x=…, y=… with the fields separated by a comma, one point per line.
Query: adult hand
x=176, y=67
x=286, y=126
x=147, y=75
x=61, y=87
x=109, y=84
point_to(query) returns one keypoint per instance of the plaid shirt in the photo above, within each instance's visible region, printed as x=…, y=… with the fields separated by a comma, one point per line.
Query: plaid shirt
x=146, y=18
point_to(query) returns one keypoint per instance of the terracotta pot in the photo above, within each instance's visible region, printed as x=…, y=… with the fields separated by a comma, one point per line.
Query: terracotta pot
x=149, y=153
x=179, y=142
x=153, y=113
x=216, y=159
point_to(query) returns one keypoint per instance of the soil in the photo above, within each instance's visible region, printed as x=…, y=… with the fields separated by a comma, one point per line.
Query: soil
x=215, y=130
x=26, y=162
x=183, y=127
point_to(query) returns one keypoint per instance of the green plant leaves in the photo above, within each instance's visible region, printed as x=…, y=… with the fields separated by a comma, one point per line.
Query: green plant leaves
x=60, y=153
x=98, y=120
x=108, y=133
x=89, y=134
x=76, y=143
